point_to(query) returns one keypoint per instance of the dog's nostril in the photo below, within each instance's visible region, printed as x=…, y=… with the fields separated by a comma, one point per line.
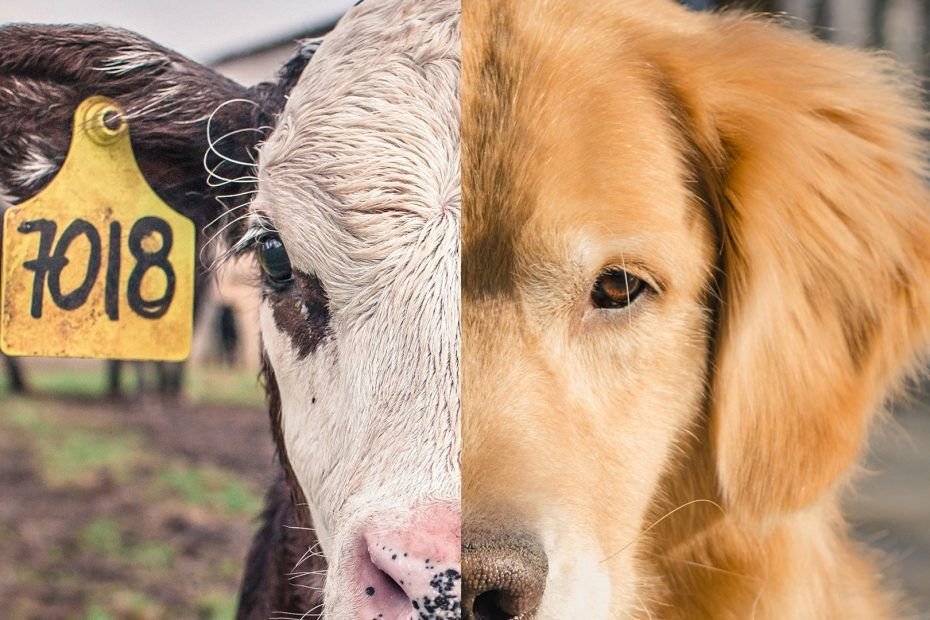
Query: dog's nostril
x=503, y=575
x=490, y=606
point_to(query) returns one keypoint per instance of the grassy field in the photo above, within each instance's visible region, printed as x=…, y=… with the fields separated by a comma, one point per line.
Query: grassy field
x=135, y=509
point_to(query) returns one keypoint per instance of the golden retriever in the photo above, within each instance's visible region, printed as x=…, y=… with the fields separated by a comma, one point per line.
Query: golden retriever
x=695, y=263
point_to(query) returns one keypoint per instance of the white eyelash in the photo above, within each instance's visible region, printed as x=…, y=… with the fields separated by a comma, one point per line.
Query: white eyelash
x=259, y=225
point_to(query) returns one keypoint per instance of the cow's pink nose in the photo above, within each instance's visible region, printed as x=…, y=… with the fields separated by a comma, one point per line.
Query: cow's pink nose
x=412, y=568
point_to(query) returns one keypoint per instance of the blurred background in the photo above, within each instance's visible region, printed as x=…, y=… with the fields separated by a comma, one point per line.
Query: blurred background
x=131, y=491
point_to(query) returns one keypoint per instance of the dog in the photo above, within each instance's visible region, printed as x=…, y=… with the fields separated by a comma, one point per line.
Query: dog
x=695, y=256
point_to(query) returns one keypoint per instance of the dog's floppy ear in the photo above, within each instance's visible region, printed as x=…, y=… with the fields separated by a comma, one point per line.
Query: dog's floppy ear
x=813, y=157
x=46, y=71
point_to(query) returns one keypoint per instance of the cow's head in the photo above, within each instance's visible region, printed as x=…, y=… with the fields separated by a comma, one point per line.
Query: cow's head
x=353, y=216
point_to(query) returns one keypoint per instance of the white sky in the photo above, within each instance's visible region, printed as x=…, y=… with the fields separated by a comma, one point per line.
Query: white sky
x=201, y=29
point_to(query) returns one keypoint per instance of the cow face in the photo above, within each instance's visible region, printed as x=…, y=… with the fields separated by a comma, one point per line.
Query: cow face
x=356, y=226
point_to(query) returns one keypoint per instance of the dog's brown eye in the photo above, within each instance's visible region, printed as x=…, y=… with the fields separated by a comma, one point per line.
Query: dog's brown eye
x=616, y=289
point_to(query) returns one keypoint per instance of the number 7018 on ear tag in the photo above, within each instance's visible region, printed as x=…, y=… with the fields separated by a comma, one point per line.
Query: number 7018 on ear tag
x=97, y=265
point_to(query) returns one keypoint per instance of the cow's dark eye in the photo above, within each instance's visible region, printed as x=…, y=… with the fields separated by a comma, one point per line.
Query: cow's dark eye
x=274, y=261
x=615, y=288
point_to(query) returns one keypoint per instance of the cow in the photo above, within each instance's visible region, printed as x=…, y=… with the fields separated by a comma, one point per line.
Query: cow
x=352, y=209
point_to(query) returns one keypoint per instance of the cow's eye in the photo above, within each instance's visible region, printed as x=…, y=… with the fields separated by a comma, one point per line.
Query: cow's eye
x=615, y=288
x=274, y=261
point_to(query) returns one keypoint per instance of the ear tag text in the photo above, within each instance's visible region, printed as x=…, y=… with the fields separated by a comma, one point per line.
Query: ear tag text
x=96, y=264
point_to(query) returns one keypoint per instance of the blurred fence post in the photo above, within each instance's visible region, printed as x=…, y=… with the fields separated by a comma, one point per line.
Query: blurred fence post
x=877, y=22
x=823, y=20
x=925, y=44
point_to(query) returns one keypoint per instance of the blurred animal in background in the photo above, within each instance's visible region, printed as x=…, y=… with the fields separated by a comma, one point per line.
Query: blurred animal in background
x=342, y=179
x=14, y=374
x=694, y=268
x=228, y=334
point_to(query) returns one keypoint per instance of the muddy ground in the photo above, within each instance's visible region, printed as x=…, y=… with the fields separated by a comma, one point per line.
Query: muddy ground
x=141, y=509
x=131, y=509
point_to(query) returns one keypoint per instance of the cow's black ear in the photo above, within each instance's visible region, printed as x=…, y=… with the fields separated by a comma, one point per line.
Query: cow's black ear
x=271, y=96
x=46, y=71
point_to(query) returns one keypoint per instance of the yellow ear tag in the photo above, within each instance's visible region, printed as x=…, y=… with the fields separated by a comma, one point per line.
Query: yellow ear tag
x=96, y=265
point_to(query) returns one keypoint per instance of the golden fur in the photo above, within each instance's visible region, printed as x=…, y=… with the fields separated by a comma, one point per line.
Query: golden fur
x=684, y=457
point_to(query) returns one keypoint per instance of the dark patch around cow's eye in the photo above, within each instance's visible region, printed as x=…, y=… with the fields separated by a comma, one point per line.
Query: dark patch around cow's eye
x=301, y=310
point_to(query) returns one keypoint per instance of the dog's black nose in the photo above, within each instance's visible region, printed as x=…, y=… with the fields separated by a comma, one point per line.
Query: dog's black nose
x=503, y=575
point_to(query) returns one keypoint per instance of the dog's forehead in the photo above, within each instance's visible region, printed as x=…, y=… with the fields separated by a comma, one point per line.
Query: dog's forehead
x=557, y=138
x=496, y=197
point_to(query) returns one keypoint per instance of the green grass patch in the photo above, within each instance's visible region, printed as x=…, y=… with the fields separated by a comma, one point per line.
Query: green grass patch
x=69, y=452
x=80, y=453
x=152, y=555
x=106, y=538
x=24, y=416
x=81, y=382
x=224, y=386
x=217, y=606
x=68, y=455
x=228, y=569
x=75, y=456
x=211, y=385
x=210, y=487
x=97, y=612
x=102, y=537
x=136, y=605
x=125, y=604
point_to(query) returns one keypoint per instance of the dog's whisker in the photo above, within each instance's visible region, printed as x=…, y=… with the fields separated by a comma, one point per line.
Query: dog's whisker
x=704, y=565
x=644, y=606
x=626, y=281
x=660, y=520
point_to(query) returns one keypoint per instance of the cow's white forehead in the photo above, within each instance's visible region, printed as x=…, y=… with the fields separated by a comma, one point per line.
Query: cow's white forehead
x=363, y=165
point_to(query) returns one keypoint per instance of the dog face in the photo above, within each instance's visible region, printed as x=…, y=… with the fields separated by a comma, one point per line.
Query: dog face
x=670, y=268
x=589, y=260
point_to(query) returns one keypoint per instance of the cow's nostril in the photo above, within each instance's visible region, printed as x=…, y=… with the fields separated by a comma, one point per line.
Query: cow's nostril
x=503, y=575
x=412, y=569
x=388, y=587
